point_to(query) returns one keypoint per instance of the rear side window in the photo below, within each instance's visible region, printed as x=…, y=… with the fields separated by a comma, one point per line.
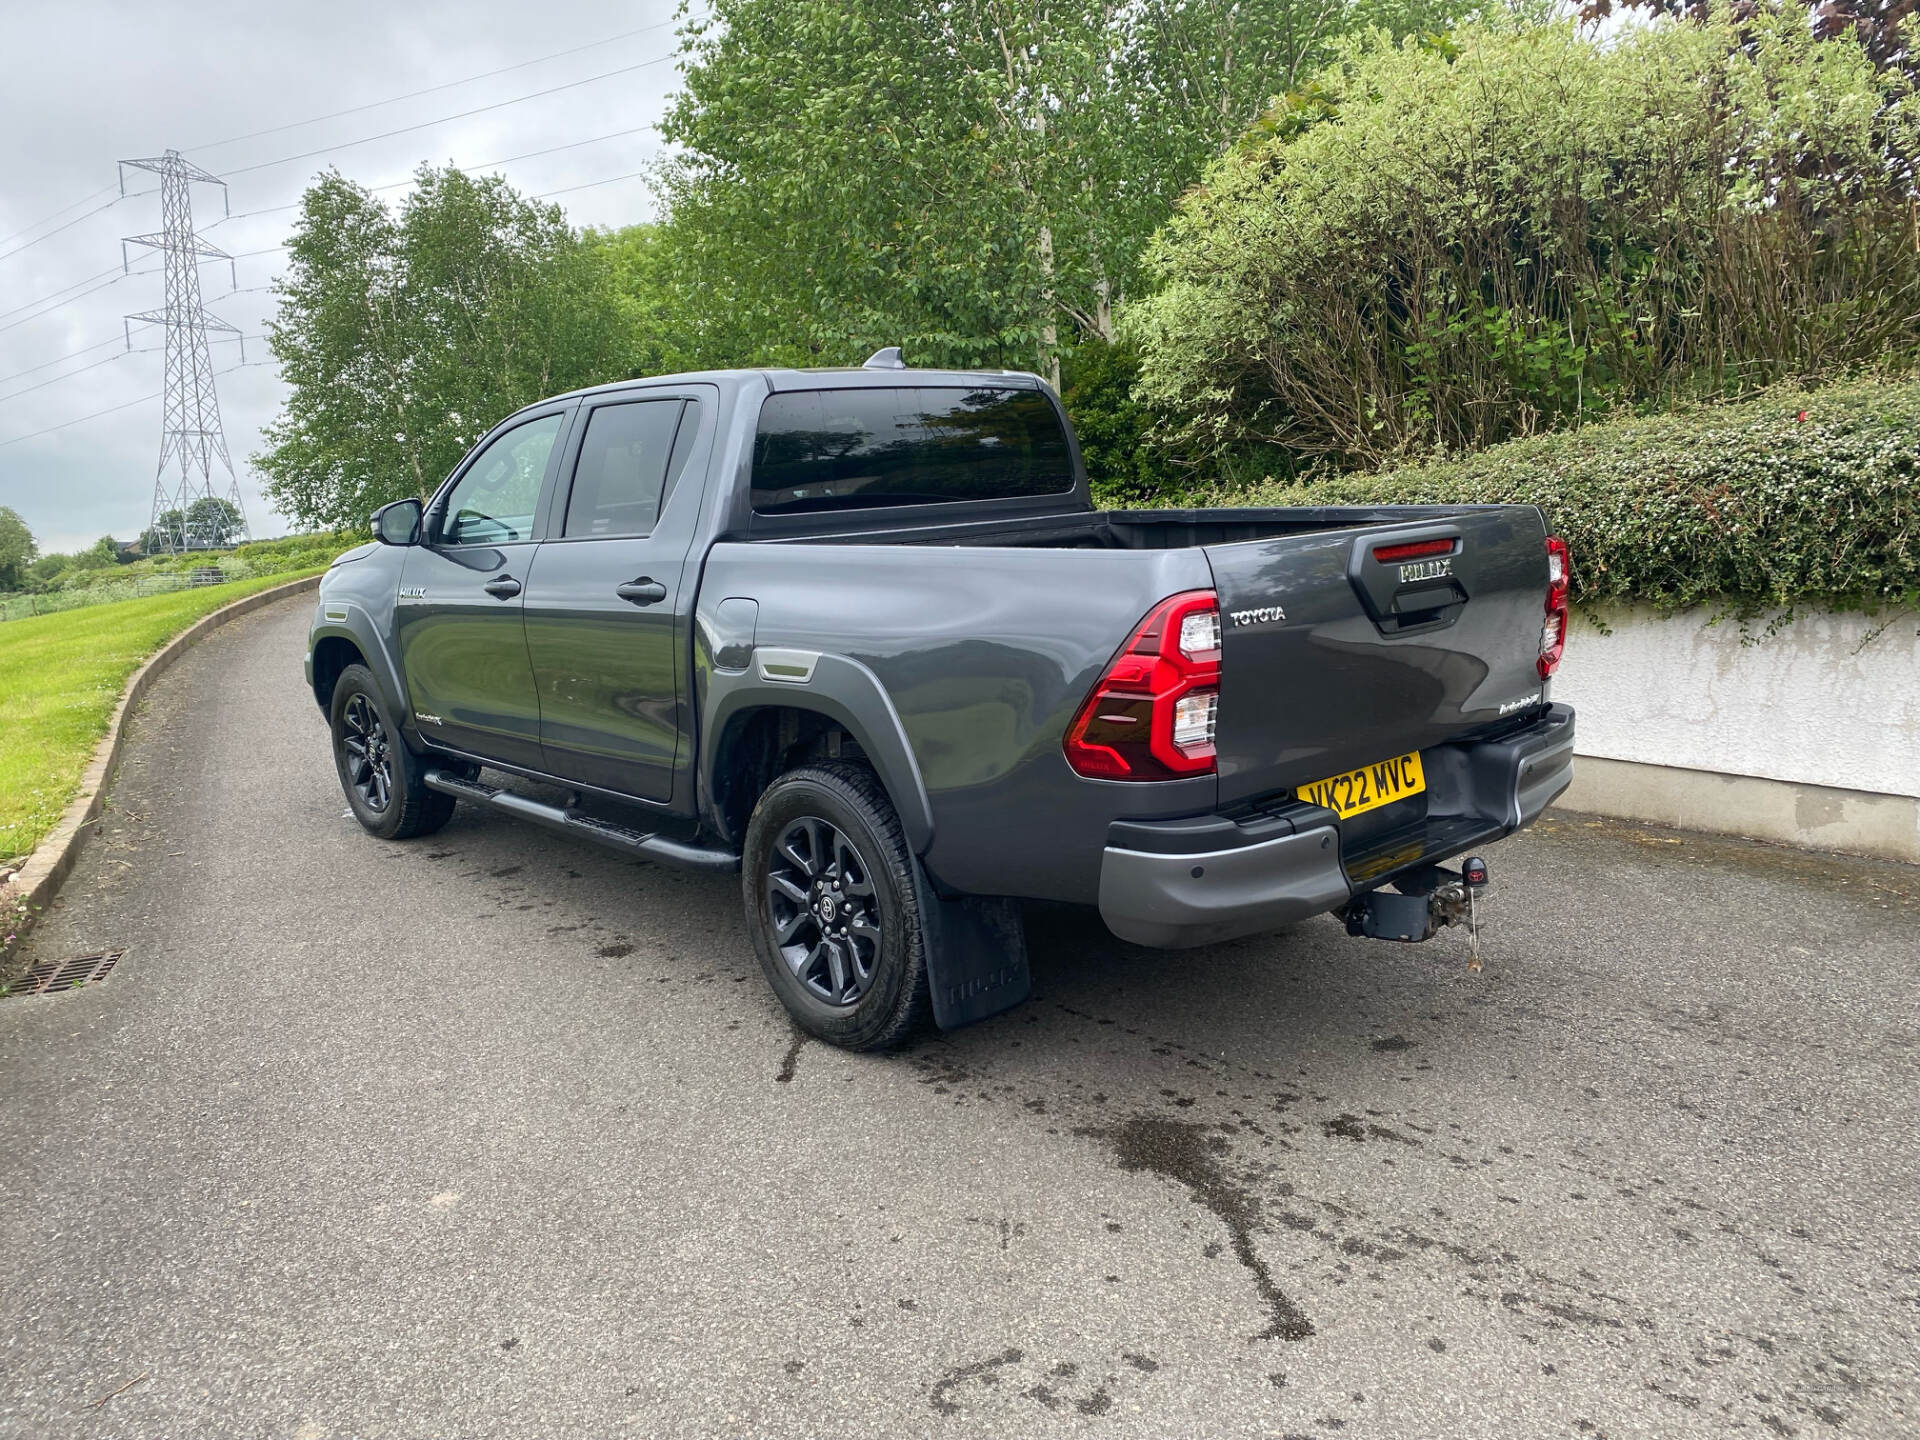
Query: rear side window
x=906, y=445
x=621, y=473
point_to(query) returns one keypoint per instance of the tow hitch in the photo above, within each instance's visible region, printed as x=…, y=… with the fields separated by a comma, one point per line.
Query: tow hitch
x=1427, y=899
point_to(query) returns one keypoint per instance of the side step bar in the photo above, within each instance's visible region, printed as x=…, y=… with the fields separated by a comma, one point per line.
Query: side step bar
x=572, y=822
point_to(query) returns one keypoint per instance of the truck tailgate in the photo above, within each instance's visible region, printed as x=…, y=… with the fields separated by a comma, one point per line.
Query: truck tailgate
x=1332, y=658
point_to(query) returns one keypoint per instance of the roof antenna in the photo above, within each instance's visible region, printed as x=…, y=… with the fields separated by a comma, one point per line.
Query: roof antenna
x=887, y=359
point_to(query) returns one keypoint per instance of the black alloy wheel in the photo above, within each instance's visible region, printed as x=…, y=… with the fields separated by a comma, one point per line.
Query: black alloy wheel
x=384, y=781
x=369, y=753
x=832, y=904
x=825, y=911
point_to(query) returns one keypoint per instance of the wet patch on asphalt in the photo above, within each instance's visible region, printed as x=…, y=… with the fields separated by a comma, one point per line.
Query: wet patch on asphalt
x=1193, y=1157
x=790, y=1062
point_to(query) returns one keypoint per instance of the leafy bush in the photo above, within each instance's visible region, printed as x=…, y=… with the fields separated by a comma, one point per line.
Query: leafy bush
x=1097, y=388
x=1438, y=245
x=1795, y=497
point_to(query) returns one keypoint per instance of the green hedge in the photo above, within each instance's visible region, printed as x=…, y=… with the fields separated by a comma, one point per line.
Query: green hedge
x=1798, y=497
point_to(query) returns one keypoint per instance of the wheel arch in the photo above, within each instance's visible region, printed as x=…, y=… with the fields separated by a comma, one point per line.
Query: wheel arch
x=756, y=730
x=337, y=643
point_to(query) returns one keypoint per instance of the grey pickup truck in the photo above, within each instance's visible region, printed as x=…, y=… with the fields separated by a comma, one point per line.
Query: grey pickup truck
x=862, y=636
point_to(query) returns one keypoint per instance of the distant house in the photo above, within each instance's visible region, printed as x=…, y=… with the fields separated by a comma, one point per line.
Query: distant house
x=130, y=550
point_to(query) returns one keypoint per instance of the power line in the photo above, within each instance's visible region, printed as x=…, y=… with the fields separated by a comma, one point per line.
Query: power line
x=117, y=340
x=591, y=184
x=84, y=215
x=482, y=165
x=9, y=239
x=14, y=395
x=360, y=109
x=124, y=275
x=124, y=405
x=62, y=359
x=61, y=291
x=444, y=119
x=431, y=89
x=72, y=299
x=294, y=205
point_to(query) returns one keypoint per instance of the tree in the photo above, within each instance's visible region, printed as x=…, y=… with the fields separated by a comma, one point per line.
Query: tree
x=49, y=568
x=103, y=552
x=212, y=523
x=974, y=180
x=405, y=337
x=17, y=549
x=1879, y=26
x=643, y=267
x=1440, y=245
x=165, y=536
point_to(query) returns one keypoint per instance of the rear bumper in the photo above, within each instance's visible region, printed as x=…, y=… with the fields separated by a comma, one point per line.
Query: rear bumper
x=1180, y=883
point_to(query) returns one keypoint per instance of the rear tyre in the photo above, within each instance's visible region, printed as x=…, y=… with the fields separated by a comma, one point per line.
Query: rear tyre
x=382, y=779
x=827, y=880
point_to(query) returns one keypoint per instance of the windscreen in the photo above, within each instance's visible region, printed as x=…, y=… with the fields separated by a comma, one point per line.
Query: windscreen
x=906, y=445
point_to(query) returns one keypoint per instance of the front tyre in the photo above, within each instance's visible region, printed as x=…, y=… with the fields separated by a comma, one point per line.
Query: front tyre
x=827, y=880
x=382, y=779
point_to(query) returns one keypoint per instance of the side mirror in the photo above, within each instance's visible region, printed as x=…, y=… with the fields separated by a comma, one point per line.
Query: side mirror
x=398, y=523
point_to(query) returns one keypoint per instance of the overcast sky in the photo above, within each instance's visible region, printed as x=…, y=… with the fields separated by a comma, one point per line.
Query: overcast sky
x=89, y=84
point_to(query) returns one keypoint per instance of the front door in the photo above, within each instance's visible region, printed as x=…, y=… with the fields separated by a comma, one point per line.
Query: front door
x=463, y=641
x=607, y=599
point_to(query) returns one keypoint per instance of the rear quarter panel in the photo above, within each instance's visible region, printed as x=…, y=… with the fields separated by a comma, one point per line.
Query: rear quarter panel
x=985, y=654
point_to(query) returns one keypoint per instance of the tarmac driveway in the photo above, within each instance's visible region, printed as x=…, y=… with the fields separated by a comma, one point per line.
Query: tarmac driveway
x=494, y=1134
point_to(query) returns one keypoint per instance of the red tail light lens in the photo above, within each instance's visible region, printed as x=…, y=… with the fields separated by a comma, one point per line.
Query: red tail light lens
x=1412, y=550
x=1151, y=715
x=1553, y=630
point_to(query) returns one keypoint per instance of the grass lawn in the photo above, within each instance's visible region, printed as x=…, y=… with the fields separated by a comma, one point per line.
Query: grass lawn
x=60, y=677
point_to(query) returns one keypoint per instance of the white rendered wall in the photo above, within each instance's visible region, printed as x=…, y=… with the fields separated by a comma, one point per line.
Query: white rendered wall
x=1807, y=704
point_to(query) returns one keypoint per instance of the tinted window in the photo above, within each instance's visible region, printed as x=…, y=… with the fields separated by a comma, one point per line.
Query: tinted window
x=621, y=473
x=906, y=445
x=682, y=447
x=493, y=503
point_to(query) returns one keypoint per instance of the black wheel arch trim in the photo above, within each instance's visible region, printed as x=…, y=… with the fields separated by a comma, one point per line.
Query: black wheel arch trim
x=843, y=691
x=358, y=630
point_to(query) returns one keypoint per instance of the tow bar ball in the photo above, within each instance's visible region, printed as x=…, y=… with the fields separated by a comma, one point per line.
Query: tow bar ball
x=1427, y=899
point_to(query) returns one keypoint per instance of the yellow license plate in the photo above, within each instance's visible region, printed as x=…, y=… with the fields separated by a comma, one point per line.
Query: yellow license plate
x=1369, y=787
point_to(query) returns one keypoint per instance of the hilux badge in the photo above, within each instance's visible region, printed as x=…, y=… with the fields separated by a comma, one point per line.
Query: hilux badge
x=1426, y=570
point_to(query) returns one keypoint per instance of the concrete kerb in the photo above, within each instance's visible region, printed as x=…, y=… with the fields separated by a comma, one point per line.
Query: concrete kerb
x=31, y=888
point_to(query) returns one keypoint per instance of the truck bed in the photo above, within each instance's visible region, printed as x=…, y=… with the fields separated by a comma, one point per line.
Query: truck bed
x=1125, y=529
x=988, y=635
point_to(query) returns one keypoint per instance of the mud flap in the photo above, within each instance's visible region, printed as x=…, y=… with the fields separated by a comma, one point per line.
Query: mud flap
x=976, y=955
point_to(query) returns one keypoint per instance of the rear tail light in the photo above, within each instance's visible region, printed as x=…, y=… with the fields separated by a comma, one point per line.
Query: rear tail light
x=1412, y=550
x=1553, y=630
x=1151, y=715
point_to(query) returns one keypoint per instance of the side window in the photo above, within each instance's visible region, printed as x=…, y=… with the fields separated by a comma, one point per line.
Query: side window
x=682, y=448
x=493, y=503
x=621, y=474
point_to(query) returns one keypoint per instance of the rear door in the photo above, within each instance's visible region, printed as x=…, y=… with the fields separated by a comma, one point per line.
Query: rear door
x=610, y=596
x=458, y=614
x=1334, y=658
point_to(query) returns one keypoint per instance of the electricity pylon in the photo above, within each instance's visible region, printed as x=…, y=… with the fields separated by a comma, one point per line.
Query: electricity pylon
x=190, y=431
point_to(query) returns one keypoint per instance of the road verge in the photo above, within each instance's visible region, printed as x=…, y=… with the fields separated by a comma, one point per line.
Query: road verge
x=31, y=887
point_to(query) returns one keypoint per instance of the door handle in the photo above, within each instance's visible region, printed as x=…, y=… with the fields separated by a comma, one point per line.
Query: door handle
x=502, y=587
x=643, y=591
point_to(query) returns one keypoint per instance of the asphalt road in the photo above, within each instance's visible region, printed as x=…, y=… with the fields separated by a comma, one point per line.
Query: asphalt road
x=493, y=1134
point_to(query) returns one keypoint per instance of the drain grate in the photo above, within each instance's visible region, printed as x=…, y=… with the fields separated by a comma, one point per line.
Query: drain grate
x=69, y=974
